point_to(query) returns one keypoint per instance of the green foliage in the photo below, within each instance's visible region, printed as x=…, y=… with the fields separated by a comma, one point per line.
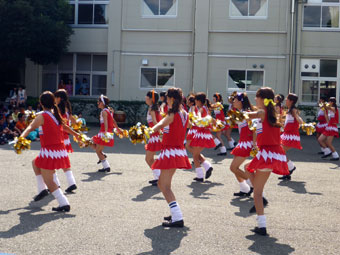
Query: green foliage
x=310, y=112
x=34, y=29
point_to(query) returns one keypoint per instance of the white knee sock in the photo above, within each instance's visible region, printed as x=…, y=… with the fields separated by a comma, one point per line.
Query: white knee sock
x=175, y=210
x=244, y=187
x=223, y=149
x=322, y=149
x=61, y=198
x=156, y=173
x=249, y=183
x=231, y=144
x=261, y=221
x=40, y=183
x=70, y=178
x=56, y=179
x=206, y=164
x=105, y=163
x=217, y=142
x=199, y=172
x=290, y=165
x=335, y=154
x=327, y=151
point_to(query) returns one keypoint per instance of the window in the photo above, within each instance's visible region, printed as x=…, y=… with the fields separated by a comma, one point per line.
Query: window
x=321, y=14
x=159, y=8
x=89, y=12
x=248, y=8
x=79, y=74
x=245, y=80
x=157, y=77
x=319, y=79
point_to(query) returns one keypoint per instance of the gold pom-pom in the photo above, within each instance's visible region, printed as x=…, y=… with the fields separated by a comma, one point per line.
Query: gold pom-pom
x=108, y=136
x=30, y=117
x=309, y=128
x=121, y=136
x=203, y=122
x=234, y=117
x=21, y=144
x=78, y=125
x=83, y=141
x=139, y=133
x=254, y=151
x=218, y=126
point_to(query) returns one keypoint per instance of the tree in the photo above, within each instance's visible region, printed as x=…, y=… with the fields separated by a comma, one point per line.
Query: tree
x=33, y=29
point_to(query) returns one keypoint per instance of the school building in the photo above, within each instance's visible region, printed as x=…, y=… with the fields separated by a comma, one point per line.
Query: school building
x=123, y=48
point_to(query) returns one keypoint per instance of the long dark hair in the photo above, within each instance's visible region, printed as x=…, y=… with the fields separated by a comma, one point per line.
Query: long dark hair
x=64, y=102
x=268, y=93
x=218, y=97
x=154, y=96
x=177, y=95
x=47, y=100
x=163, y=94
x=333, y=100
x=294, y=98
x=243, y=98
x=279, y=98
x=201, y=96
x=191, y=99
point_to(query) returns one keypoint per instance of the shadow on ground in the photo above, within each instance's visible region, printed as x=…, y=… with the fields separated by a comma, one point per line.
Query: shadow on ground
x=268, y=245
x=199, y=189
x=297, y=187
x=244, y=204
x=147, y=193
x=98, y=176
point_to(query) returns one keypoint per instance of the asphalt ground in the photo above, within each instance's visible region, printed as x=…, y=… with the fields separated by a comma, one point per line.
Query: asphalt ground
x=120, y=213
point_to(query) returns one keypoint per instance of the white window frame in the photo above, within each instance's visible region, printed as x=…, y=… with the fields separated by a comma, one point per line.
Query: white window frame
x=74, y=73
x=319, y=28
x=248, y=17
x=246, y=70
x=158, y=16
x=157, y=86
x=93, y=2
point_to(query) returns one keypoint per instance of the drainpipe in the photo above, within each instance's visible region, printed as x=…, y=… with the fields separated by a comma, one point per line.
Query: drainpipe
x=291, y=34
x=295, y=46
x=193, y=45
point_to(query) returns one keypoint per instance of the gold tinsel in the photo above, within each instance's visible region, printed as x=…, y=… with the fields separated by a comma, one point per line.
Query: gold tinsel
x=124, y=135
x=309, y=128
x=21, y=144
x=232, y=96
x=203, y=122
x=84, y=141
x=218, y=126
x=235, y=117
x=30, y=117
x=78, y=126
x=218, y=106
x=324, y=106
x=139, y=133
x=254, y=151
x=107, y=137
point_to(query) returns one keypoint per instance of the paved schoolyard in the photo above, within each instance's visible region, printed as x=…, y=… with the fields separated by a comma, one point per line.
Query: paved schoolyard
x=119, y=213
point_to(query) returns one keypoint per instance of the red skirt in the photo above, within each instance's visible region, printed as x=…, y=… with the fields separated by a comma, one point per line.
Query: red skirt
x=53, y=157
x=331, y=130
x=68, y=145
x=190, y=135
x=291, y=140
x=203, y=138
x=242, y=149
x=154, y=143
x=320, y=127
x=272, y=157
x=172, y=157
x=97, y=139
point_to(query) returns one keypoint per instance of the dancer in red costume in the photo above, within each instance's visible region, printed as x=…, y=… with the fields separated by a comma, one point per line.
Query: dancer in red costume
x=322, y=123
x=65, y=108
x=173, y=154
x=53, y=154
x=271, y=157
x=245, y=144
x=291, y=136
x=105, y=136
x=331, y=131
x=154, y=143
x=202, y=139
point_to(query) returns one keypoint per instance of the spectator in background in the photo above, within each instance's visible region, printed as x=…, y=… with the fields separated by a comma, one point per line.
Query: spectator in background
x=61, y=85
x=69, y=87
x=78, y=87
x=10, y=129
x=22, y=97
x=84, y=90
x=38, y=108
x=21, y=123
x=15, y=114
x=3, y=138
x=13, y=96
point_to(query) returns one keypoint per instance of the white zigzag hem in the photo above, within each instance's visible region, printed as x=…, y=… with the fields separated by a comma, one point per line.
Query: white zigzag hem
x=270, y=155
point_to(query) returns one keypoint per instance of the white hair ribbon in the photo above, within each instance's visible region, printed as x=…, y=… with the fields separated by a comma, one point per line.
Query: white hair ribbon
x=102, y=98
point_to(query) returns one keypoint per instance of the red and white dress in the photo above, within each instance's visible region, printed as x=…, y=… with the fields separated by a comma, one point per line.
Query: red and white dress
x=291, y=134
x=98, y=138
x=245, y=143
x=332, y=126
x=154, y=143
x=173, y=154
x=219, y=114
x=322, y=122
x=271, y=154
x=67, y=141
x=53, y=154
x=193, y=129
x=203, y=137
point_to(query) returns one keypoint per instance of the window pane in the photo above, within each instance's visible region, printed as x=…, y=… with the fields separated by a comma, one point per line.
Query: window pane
x=165, y=77
x=312, y=15
x=330, y=1
x=258, y=8
x=99, y=14
x=71, y=21
x=328, y=68
x=330, y=16
x=327, y=89
x=66, y=63
x=167, y=7
x=98, y=84
x=310, y=91
x=83, y=62
x=239, y=7
x=148, y=77
x=85, y=14
x=236, y=79
x=150, y=7
x=50, y=67
x=66, y=82
x=254, y=80
x=49, y=82
x=82, y=84
x=99, y=63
